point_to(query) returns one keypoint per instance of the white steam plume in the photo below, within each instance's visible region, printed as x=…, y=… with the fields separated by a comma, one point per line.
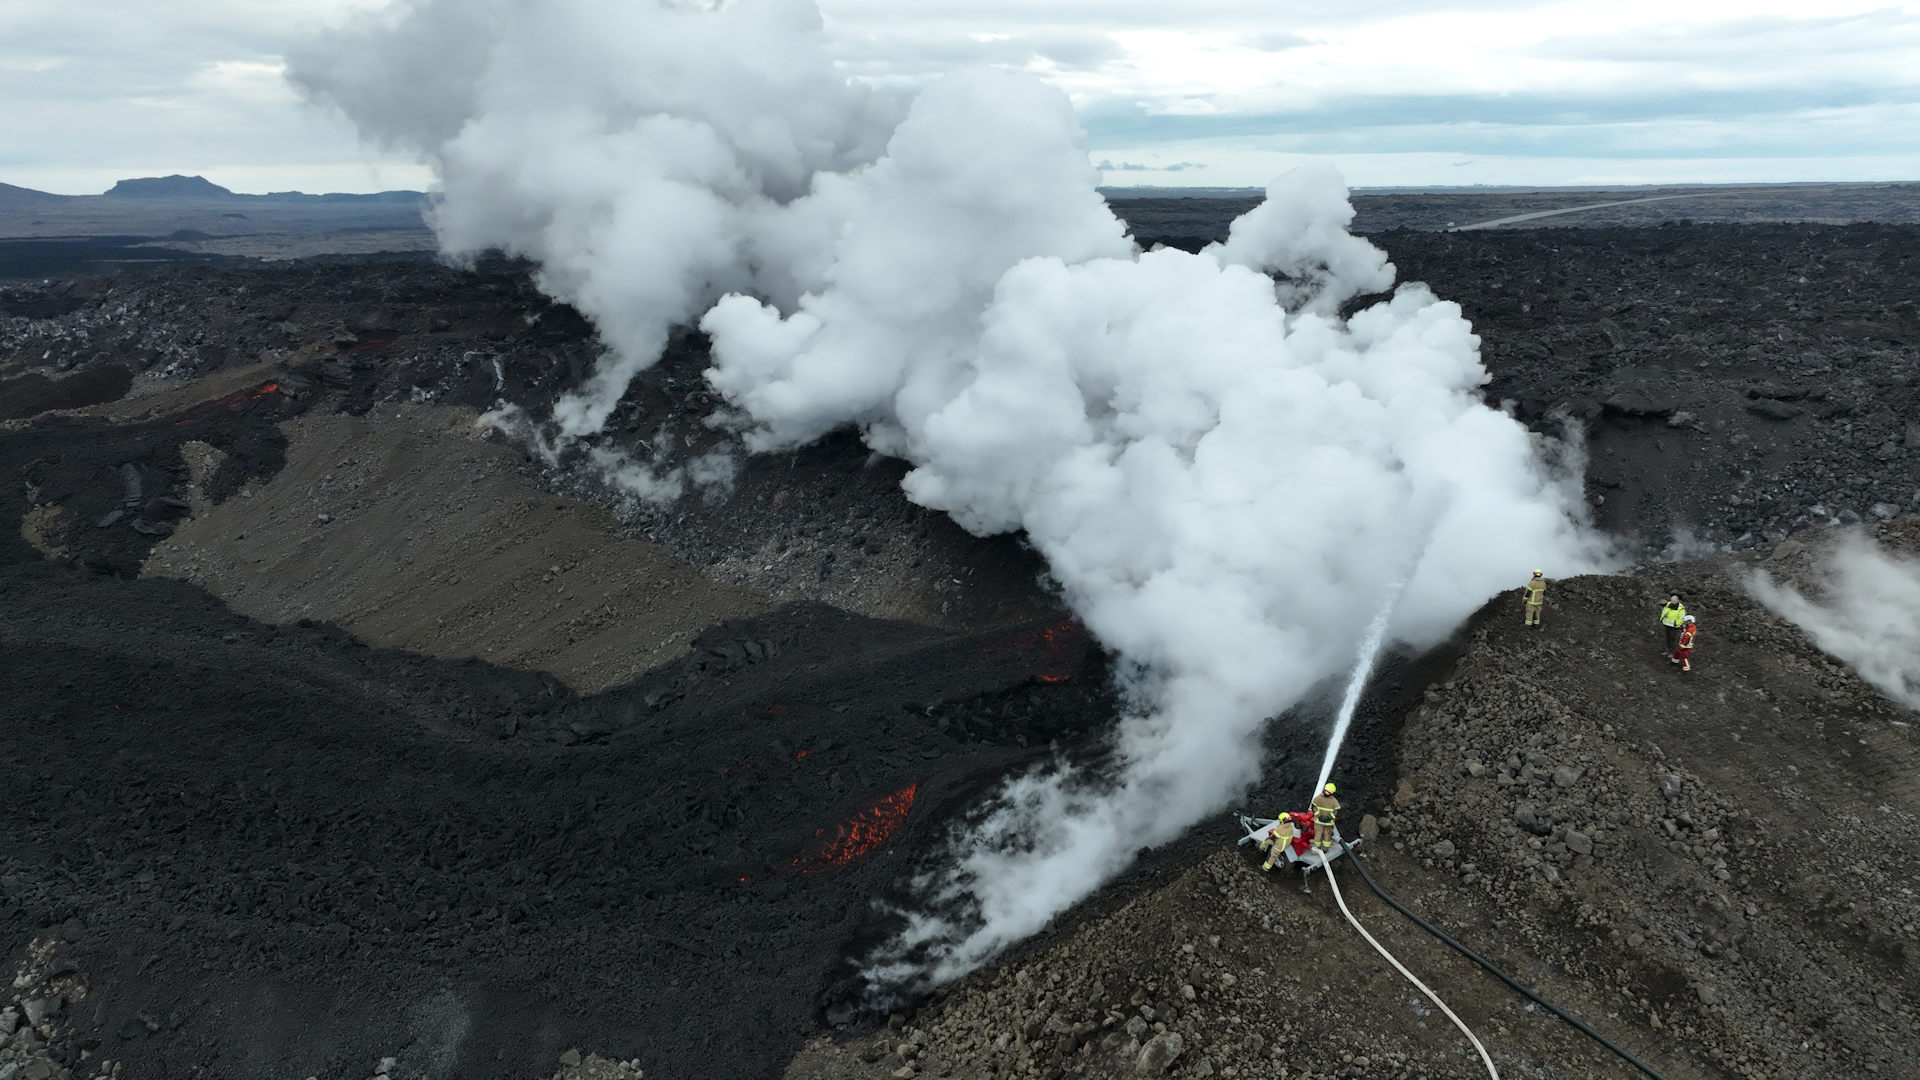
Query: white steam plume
x=1869, y=615
x=644, y=154
x=1224, y=476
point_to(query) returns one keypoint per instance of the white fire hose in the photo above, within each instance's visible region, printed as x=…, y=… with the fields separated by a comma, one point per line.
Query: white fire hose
x=1397, y=966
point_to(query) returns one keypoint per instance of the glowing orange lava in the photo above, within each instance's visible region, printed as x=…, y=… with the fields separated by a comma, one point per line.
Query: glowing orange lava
x=1055, y=650
x=234, y=401
x=231, y=402
x=862, y=834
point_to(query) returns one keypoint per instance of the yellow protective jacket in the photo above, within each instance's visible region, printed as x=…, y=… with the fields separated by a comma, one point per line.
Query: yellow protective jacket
x=1536, y=590
x=1673, y=615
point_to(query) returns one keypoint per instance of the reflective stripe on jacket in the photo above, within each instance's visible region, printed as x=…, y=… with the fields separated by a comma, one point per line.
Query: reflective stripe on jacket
x=1673, y=614
x=1686, y=638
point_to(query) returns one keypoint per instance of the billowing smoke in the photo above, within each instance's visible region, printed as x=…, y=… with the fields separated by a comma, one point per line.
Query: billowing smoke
x=1866, y=611
x=645, y=155
x=1224, y=475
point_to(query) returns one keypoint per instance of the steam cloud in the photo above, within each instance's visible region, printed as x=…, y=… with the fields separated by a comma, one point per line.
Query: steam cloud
x=1869, y=615
x=1224, y=476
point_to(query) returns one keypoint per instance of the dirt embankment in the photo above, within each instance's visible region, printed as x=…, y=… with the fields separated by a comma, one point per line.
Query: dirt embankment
x=1715, y=870
x=410, y=529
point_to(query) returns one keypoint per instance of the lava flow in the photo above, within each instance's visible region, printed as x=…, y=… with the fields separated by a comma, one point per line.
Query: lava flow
x=235, y=400
x=1056, y=649
x=861, y=834
x=231, y=402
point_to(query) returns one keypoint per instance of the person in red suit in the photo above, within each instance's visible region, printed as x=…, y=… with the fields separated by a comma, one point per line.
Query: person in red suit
x=1683, y=650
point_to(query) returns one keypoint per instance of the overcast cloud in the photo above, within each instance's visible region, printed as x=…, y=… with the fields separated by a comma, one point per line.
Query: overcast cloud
x=1231, y=91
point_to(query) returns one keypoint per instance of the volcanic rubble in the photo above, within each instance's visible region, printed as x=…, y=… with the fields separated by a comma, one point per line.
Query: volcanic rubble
x=241, y=847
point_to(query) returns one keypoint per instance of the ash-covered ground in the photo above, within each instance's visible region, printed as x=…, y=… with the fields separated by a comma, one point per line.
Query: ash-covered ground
x=242, y=829
x=265, y=849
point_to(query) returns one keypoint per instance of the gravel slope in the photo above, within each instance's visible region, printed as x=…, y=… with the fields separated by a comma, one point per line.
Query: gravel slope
x=1716, y=871
x=412, y=532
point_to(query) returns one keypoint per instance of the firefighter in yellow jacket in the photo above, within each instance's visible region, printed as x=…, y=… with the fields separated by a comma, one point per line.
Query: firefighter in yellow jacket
x=1536, y=594
x=1673, y=614
x=1325, y=807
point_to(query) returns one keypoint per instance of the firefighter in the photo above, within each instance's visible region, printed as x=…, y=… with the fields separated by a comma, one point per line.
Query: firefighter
x=1683, y=649
x=1288, y=832
x=1536, y=593
x=1325, y=806
x=1672, y=615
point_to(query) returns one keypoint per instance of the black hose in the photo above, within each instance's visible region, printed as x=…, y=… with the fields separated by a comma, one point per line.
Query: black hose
x=1497, y=973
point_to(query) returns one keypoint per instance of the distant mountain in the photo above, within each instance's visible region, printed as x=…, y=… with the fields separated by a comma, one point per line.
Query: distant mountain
x=19, y=196
x=199, y=187
x=169, y=187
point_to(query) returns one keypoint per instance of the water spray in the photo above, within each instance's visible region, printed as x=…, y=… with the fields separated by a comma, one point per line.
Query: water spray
x=1370, y=646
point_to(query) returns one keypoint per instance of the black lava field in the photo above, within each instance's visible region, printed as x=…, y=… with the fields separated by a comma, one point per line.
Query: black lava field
x=295, y=854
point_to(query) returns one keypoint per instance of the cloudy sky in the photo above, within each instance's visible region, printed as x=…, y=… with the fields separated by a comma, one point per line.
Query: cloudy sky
x=1187, y=93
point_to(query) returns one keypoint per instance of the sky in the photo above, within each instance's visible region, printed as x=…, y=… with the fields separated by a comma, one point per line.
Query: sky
x=1195, y=93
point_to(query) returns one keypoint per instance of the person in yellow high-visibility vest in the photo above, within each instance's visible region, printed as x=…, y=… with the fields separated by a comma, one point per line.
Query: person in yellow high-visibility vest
x=1325, y=808
x=1290, y=831
x=1672, y=614
x=1536, y=594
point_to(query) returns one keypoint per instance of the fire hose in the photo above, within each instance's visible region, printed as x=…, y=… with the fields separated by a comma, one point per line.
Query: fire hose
x=1496, y=972
x=1397, y=966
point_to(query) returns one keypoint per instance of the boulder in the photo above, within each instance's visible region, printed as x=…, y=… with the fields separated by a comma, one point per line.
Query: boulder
x=1529, y=817
x=1159, y=1054
x=1774, y=410
x=1640, y=402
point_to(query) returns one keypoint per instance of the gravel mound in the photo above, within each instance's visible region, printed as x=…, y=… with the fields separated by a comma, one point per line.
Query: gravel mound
x=412, y=532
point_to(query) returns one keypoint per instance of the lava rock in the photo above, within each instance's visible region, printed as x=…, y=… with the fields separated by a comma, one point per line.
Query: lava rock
x=1774, y=410
x=1159, y=1054
x=1528, y=817
x=1369, y=827
x=1640, y=403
